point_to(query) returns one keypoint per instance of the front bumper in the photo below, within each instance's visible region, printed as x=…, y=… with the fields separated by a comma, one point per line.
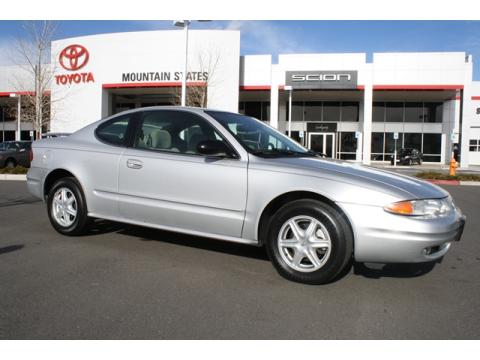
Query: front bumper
x=389, y=238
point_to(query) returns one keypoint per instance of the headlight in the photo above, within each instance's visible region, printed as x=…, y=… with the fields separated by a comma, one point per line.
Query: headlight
x=425, y=208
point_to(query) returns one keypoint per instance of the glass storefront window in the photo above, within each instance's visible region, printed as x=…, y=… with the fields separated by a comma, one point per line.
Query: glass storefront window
x=350, y=111
x=431, y=158
x=348, y=142
x=433, y=112
x=313, y=111
x=297, y=111
x=377, y=146
x=432, y=144
x=413, y=112
x=413, y=140
x=390, y=143
x=265, y=111
x=253, y=109
x=394, y=112
x=473, y=145
x=331, y=111
x=378, y=112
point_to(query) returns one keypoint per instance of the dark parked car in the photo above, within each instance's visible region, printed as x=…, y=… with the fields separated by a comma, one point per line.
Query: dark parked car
x=13, y=153
x=408, y=156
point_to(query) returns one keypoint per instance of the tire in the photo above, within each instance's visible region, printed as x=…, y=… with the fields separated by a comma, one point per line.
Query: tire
x=64, y=221
x=330, y=226
x=10, y=163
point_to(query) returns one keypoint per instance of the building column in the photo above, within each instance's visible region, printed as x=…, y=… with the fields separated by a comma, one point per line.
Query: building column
x=274, y=106
x=467, y=114
x=274, y=84
x=367, y=123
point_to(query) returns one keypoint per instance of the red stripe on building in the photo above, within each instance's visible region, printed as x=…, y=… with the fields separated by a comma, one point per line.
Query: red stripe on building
x=417, y=87
x=150, y=84
x=475, y=97
x=255, y=87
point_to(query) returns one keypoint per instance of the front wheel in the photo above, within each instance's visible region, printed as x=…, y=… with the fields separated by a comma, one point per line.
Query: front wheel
x=67, y=208
x=309, y=241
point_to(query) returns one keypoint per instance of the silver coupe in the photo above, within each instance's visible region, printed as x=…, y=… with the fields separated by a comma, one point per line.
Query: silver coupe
x=231, y=177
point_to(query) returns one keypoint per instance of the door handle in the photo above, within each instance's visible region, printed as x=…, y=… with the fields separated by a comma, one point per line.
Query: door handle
x=134, y=164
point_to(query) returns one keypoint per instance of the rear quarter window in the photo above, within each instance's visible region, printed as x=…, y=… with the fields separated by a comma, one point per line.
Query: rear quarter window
x=114, y=132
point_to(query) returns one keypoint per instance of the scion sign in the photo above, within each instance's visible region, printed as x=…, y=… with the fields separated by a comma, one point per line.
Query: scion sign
x=321, y=79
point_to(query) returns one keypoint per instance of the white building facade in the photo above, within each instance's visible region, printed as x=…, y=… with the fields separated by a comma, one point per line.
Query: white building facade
x=341, y=104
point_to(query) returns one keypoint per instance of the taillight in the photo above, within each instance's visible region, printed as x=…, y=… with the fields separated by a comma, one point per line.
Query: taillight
x=31, y=155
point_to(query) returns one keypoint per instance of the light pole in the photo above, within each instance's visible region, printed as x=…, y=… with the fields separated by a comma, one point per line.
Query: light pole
x=19, y=114
x=289, y=110
x=184, y=24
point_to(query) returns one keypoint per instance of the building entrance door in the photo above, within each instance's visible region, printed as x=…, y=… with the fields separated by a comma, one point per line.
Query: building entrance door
x=322, y=143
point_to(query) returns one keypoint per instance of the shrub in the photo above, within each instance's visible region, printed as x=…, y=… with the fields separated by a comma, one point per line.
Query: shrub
x=15, y=170
x=433, y=175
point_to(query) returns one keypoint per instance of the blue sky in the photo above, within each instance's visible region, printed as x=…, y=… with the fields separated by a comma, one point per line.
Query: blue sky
x=274, y=37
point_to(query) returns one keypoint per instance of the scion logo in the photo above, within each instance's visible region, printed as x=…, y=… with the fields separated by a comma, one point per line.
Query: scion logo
x=74, y=57
x=321, y=79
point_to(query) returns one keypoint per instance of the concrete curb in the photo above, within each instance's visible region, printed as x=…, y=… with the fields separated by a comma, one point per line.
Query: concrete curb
x=17, y=177
x=454, y=182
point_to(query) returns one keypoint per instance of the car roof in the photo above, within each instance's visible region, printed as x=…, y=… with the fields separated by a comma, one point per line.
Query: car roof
x=198, y=110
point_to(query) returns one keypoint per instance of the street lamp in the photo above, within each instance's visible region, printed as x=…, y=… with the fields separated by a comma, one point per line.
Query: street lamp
x=289, y=88
x=19, y=113
x=184, y=24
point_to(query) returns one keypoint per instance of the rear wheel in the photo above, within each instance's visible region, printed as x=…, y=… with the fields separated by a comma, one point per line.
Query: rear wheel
x=309, y=241
x=67, y=208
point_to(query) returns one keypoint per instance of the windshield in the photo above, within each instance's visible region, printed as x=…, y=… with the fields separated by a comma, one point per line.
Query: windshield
x=257, y=137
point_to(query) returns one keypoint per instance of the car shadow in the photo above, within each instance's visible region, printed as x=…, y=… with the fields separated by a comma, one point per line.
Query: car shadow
x=101, y=226
x=11, y=248
x=226, y=247
x=367, y=270
x=377, y=271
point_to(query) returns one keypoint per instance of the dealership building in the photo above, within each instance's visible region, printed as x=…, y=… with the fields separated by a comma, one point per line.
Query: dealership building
x=347, y=106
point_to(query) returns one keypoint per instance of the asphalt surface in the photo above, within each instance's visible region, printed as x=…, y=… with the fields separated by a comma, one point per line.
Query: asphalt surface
x=125, y=282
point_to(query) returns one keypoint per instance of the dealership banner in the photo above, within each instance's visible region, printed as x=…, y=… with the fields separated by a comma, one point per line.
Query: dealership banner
x=321, y=79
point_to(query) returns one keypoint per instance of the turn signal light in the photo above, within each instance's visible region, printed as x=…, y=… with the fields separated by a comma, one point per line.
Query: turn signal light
x=402, y=207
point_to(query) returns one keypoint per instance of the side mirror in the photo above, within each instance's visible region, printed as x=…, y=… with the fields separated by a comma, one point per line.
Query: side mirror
x=213, y=148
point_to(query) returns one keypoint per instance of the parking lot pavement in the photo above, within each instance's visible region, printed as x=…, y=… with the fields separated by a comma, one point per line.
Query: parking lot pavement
x=128, y=282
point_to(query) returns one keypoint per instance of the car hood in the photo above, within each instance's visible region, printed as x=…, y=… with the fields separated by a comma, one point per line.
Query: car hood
x=365, y=176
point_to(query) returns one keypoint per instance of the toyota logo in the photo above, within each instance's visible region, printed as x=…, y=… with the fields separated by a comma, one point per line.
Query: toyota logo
x=73, y=57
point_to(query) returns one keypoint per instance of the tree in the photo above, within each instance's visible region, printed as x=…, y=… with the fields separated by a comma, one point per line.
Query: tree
x=197, y=95
x=32, y=55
